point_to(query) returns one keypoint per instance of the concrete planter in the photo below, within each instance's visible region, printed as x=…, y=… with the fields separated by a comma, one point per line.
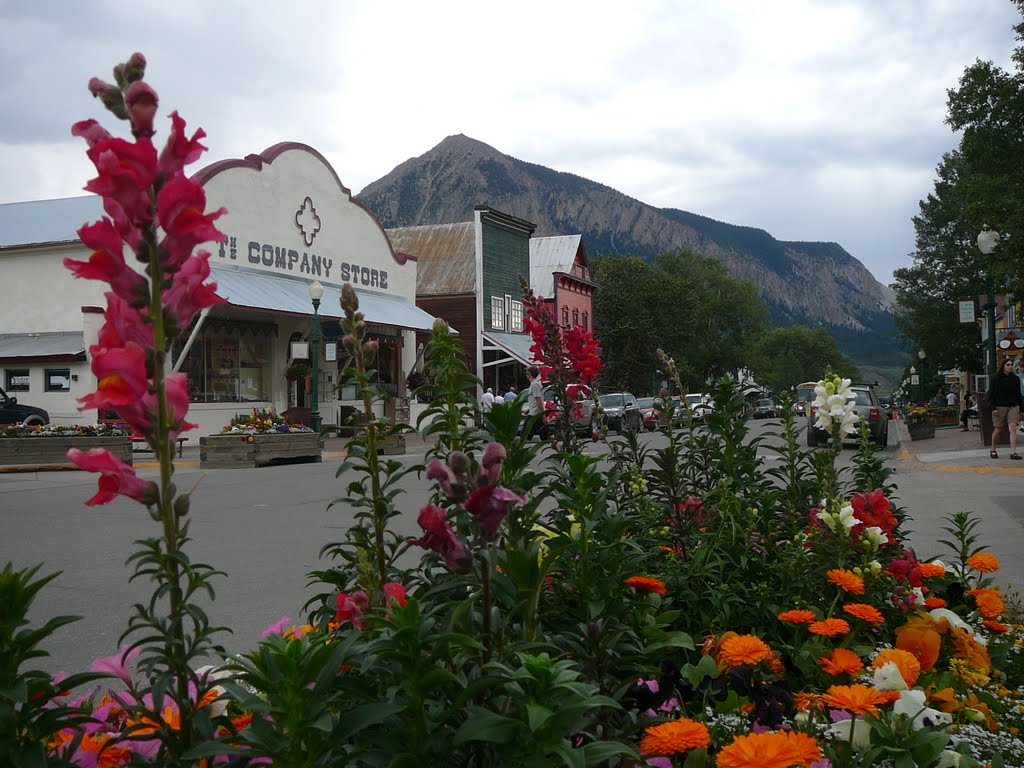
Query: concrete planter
x=227, y=451
x=52, y=452
x=921, y=431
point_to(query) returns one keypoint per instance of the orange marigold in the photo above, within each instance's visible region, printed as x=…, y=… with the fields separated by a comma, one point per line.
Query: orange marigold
x=905, y=661
x=807, y=702
x=931, y=570
x=865, y=612
x=674, y=737
x=830, y=627
x=743, y=649
x=848, y=581
x=841, y=662
x=995, y=626
x=989, y=601
x=772, y=749
x=857, y=698
x=983, y=562
x=797, y=616
x=647, y=584
x=932, y=603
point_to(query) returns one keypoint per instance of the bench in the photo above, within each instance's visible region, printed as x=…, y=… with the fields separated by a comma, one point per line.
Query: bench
x=973, y=422
x=141, y=446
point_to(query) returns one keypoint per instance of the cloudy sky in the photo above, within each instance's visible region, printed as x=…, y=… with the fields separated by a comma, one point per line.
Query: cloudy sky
x=811, y=119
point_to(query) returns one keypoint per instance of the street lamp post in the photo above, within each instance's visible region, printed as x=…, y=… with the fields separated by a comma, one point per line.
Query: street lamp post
x=913, y=375
x=921, y=356
x=316, y=292
x=987, y=242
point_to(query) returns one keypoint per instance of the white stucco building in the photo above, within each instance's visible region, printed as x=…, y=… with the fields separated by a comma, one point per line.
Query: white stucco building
x=290, y=220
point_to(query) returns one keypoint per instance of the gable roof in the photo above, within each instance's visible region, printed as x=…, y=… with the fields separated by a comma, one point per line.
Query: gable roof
x=549, y=255
x=44, y=222
x=445, y=254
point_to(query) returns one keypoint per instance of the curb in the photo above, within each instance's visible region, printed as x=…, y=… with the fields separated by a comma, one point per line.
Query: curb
x=907, y=457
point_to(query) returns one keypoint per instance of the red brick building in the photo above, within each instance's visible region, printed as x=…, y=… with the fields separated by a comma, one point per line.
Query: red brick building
x=560, y=273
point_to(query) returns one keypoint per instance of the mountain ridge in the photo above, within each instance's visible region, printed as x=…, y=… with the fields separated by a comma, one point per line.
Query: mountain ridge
x=806, y=282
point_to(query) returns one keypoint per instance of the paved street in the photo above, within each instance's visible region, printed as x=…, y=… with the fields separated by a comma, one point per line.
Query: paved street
x=265, y=527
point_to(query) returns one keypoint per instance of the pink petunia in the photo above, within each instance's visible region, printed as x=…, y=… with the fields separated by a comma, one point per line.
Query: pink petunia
x=278, y=627
x=117, y=664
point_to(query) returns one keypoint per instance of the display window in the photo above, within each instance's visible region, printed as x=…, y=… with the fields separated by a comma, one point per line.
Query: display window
x=228, y=368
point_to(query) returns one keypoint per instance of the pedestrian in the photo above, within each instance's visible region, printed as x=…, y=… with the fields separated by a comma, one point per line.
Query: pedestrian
x=951, y=399
x=535, y=411
x=488, y=399
x=968, y=412
x=1005, y=400
x=510, y=396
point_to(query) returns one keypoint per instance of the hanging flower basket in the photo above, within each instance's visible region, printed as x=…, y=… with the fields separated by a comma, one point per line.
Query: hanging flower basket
x=297, y=371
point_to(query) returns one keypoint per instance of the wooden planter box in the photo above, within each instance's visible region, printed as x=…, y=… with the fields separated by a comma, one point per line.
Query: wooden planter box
x=226, y=451
x=52, y=452
x=921, y=431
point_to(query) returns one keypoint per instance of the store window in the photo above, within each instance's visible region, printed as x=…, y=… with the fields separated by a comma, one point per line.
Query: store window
x=16, y=380
x=497, y=313
x=57, y=380
x=517, y=316
x=228, y=367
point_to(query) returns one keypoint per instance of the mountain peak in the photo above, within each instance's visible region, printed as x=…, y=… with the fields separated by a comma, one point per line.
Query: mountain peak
x=808, y=283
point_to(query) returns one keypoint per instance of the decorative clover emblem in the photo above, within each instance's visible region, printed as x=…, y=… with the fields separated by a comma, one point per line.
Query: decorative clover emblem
x=307, y=221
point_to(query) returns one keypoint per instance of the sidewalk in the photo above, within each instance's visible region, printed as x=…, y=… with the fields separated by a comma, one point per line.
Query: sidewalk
x=952, y=450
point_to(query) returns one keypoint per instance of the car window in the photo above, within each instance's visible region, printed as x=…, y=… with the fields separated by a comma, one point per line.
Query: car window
x=645, y=402
x=767, y=403
x=612, y=401
x=863, y=396
x=694, y=399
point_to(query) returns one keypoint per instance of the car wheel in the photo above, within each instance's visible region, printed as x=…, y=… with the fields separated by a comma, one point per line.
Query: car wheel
x=883, y=439
x=33, y=421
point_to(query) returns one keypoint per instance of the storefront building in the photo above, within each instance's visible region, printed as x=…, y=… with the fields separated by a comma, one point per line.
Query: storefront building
x=290, y=222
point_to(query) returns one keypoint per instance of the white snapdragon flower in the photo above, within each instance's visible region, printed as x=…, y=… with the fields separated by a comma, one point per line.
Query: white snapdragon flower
x=876, y=536
x=833, y=398
x=847, y=518
x=911, y=704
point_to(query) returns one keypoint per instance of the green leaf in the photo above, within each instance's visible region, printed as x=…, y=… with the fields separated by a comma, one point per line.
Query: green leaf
x=487, y=726
x=363, y=717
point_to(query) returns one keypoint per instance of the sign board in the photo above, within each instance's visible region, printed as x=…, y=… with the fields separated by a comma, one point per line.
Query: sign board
x=915, y=379
x=330, y=351
x=968, y=312
x=300, y=350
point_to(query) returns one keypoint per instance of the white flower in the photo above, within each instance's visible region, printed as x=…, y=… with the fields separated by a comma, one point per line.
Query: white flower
x=876, y=536
x=954, y=620
x=847, y=518
x=918, y=594
x=888, y=678
x=911, y=704
x=855, y=730
x=949, y=759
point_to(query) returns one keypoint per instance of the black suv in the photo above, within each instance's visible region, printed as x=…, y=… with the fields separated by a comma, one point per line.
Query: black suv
x=13, y=412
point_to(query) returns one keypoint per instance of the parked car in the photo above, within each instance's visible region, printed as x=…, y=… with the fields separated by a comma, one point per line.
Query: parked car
x=700, y=405
x=621, y=412
x=766, y=408
x=654, y=417
x=867, y=406
x=581, y=411
x=13, y=412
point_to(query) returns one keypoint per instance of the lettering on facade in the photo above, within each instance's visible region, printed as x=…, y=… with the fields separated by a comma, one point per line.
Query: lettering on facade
x=290, y=261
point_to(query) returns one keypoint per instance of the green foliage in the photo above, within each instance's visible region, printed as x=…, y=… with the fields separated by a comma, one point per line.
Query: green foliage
x=714, y=318
x=786, y=357
x=33, y=705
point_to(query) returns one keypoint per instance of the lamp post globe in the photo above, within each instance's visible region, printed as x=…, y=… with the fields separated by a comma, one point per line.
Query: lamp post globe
x=316, y=292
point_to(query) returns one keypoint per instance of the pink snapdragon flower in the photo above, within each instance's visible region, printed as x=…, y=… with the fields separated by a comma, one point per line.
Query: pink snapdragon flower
x=116, y=477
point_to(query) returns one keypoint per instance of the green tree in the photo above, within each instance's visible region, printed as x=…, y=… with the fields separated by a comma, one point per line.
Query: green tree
x=790, y=356
x=979, y=184
x=685, y=304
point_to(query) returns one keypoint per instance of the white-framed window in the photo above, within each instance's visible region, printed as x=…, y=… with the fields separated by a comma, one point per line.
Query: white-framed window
x=497, y=313
x=516, y=317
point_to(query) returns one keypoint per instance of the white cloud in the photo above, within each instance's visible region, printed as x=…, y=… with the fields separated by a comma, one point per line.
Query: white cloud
x=813, y=119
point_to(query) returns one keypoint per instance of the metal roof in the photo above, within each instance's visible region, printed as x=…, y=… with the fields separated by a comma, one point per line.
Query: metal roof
x=445, y=256
x=516, y=345
x=39, y=222
x=252, y=290
x=549, y=255
x=69, y=343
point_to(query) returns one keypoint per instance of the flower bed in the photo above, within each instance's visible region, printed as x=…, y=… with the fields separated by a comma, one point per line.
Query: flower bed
x=47, y=445
x=258, y=450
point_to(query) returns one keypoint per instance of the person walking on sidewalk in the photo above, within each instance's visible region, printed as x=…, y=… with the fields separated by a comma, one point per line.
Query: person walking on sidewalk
x=1005, y=401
